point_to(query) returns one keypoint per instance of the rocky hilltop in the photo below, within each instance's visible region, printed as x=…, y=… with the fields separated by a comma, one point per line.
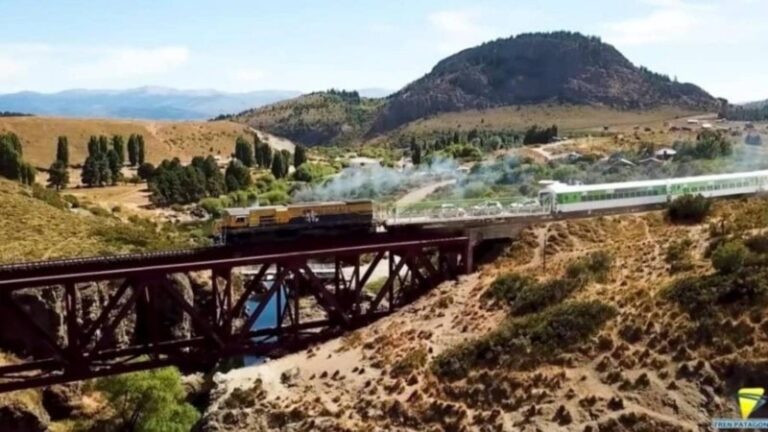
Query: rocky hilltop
x=330, y=117
x=536, y=68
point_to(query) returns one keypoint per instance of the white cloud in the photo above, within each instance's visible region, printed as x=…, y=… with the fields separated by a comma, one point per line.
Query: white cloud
x=458, y=29
x=130, y=62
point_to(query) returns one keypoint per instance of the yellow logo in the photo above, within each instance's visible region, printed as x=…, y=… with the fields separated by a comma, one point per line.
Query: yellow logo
x=750, y=399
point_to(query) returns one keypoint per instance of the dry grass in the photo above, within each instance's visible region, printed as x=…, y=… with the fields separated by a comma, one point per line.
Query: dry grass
x=32, y=230
x=163, y=139
x=567, y=118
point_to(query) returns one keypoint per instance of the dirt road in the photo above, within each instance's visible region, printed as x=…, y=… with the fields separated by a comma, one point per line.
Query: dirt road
x=421, y=193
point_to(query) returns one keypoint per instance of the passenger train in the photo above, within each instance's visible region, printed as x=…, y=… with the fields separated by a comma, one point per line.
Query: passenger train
x=557, y=199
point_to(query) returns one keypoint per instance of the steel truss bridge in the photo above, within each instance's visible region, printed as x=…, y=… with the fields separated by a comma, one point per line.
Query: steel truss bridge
x=141, y=290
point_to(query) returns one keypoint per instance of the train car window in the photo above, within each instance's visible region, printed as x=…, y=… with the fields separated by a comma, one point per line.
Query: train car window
x=240, y=219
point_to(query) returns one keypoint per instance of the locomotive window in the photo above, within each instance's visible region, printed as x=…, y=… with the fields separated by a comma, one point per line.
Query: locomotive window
x=240, y=219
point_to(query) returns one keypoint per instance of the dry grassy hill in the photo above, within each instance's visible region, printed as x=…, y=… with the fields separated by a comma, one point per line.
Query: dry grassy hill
x=33, y=229
x=163, y=139
x=566, y=117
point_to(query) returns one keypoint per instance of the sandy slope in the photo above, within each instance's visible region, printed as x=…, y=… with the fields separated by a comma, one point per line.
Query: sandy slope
x=635, y=375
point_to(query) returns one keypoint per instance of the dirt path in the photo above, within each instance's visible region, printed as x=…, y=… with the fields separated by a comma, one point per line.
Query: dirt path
x=274, y=141
x=419, y=194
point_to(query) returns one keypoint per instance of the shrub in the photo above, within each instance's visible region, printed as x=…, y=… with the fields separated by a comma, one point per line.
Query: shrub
x=678, y=255
x=688, y=209
x=274, y=197
x=411, y=362
x=99, y=211
x=521, y=342
x=595, y=266
x=536, y=298
x=212, y=206
x=697, y=295
x=508, y=286
x=48, y=196
x=729, y=257
x=147, y=401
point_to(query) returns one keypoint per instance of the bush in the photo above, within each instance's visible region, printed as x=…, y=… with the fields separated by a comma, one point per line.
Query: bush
x=689, y=209
x=99, y=211
x=274, y=197
x=527, y=341
x=48, y=196
x=312, y=172
x=697, y=295
x=508, y=286
x=594, y=267
x=678, y=255
x=729, y=257
x=147, y=401
x=411, y=362
x=536, y=298
x=212, y=206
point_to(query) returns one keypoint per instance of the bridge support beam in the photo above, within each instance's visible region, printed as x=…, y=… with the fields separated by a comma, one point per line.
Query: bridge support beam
x=285, y=305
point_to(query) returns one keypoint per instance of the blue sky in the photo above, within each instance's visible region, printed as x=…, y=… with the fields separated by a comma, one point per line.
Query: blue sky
x=313, y=45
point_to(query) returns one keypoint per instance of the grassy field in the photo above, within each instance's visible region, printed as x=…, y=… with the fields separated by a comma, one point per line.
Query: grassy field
x=32, y=229
x=568, y=118
x=163, y=139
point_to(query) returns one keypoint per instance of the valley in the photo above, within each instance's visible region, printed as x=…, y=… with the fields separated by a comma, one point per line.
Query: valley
x=635, y=321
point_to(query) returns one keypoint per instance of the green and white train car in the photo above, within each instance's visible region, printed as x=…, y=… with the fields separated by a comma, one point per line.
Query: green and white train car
x=564, y=198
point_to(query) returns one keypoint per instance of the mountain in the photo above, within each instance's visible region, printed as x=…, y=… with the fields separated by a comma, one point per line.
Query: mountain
x=755, y=105
x=156, y=103
x=560, y=67
x=332, y=117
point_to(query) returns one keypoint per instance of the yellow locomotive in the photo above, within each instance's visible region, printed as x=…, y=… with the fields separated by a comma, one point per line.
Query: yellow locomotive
x=325, y=217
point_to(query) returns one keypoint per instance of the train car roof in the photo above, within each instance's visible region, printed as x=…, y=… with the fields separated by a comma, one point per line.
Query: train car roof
x=245, y=211
x=565, y=188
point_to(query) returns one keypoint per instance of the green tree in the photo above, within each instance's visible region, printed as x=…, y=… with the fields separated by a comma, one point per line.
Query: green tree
x=287, y=157
x=118, y=145
x=28, y=174
x=416, y=155
x=89, y=175
x=299, y=156
x=244, y=151
x=147, y=401
x=58, y=175
x=266, y=156
x=145, y=171
x=133, y=150
x=277, y=165
x=62, y=150
x=10, y=157
x=113, y=161
x=237, y=176
x=93, y=146
x=140, y=155
x=214, y=179
x=103, y=144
